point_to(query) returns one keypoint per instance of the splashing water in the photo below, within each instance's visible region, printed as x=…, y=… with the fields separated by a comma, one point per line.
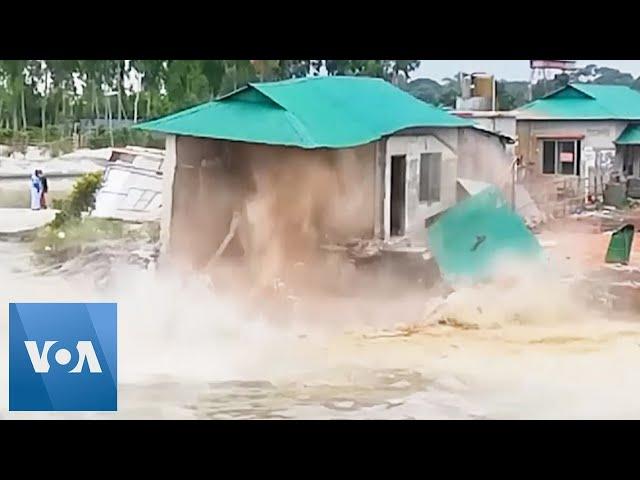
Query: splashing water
x=189, y=351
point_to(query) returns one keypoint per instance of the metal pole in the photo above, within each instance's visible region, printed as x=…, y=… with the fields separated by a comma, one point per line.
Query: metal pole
x=514, y=175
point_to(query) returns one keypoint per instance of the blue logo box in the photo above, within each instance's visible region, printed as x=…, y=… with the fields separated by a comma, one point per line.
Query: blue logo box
x=63, y=357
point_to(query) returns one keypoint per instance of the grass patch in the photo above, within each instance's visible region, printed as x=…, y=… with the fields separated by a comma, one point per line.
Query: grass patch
x=75, y=233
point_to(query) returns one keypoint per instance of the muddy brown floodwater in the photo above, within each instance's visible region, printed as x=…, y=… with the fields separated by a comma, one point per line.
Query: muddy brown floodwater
x=185, y=351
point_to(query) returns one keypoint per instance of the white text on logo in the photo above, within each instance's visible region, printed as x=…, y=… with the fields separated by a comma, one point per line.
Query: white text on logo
x=40, y=361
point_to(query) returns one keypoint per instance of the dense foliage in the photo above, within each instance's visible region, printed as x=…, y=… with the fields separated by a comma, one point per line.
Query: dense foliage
x=44, y=100
x=81, y=199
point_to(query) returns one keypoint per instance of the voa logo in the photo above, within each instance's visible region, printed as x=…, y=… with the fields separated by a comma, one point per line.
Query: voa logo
x=40, y=360
x=63, y=357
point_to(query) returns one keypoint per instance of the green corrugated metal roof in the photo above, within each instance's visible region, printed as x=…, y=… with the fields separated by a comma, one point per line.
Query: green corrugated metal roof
x=630, y=135
x=585, y=102
x=332, y=112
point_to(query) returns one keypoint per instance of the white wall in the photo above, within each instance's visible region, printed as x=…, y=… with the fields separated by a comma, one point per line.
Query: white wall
x=506, y=125
x=443, y=141
x=483, y=157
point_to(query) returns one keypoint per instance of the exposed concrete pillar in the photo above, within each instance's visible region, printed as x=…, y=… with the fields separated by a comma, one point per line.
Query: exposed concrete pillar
x=380, y=163
x=168, y=176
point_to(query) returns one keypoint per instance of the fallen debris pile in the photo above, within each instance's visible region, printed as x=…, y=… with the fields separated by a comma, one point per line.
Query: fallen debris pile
x=608, y=217
x=363, y=250
x=137, y=245
x=358, y=250
x=99, y=259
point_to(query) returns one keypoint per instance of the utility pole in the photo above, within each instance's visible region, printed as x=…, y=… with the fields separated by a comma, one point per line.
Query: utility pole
x=107, y=97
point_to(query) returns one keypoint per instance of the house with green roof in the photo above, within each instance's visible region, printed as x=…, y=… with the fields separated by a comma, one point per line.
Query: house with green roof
x=341, y=157
x=581, y=135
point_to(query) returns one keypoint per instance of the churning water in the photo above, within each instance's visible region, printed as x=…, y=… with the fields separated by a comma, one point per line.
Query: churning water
x=188, y=351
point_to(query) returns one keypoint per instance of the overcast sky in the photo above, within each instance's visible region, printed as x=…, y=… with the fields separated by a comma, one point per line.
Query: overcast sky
x=506, y=69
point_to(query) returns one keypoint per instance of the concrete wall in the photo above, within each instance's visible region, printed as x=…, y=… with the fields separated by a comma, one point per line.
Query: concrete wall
x=168, y=177
x=466, y=153
x=506, y=125
x=413, y=143
x=483, y=157
x=321, y=196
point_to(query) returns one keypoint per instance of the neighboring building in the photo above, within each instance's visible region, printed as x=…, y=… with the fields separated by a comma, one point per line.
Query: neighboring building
x=357, y=157
x=576, y=139
x=131, y=185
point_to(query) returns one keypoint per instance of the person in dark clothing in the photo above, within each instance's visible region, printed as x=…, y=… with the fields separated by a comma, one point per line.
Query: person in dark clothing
x=45, y=189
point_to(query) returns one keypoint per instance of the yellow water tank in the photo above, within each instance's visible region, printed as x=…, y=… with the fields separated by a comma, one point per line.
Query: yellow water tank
x=483, y=86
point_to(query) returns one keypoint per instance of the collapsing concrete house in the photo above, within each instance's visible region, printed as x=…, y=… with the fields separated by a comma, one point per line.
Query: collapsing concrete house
x=327, y=159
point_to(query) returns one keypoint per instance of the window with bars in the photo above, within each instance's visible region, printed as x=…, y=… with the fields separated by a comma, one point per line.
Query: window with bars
x=561, y=157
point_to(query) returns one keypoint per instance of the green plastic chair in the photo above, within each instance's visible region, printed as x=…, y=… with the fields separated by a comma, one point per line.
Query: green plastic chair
x=619, y=249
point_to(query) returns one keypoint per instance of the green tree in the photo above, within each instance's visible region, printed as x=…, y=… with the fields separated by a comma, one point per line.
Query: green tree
x=425, y=89
x=237, y=74
x=297, y=68
x=153, y=75
x=387, y=69
x=450, y=91
x=14, y=75
x=214, y=71
x=186, y=83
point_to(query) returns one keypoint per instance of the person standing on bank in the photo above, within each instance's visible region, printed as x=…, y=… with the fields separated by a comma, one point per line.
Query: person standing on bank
x=45, y=190
x=36, y=191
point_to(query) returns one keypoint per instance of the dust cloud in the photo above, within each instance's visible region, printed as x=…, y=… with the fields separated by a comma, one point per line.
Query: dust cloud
x=288, y=204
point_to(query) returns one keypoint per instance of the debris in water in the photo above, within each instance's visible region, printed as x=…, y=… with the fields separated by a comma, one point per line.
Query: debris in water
x=453, y=322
